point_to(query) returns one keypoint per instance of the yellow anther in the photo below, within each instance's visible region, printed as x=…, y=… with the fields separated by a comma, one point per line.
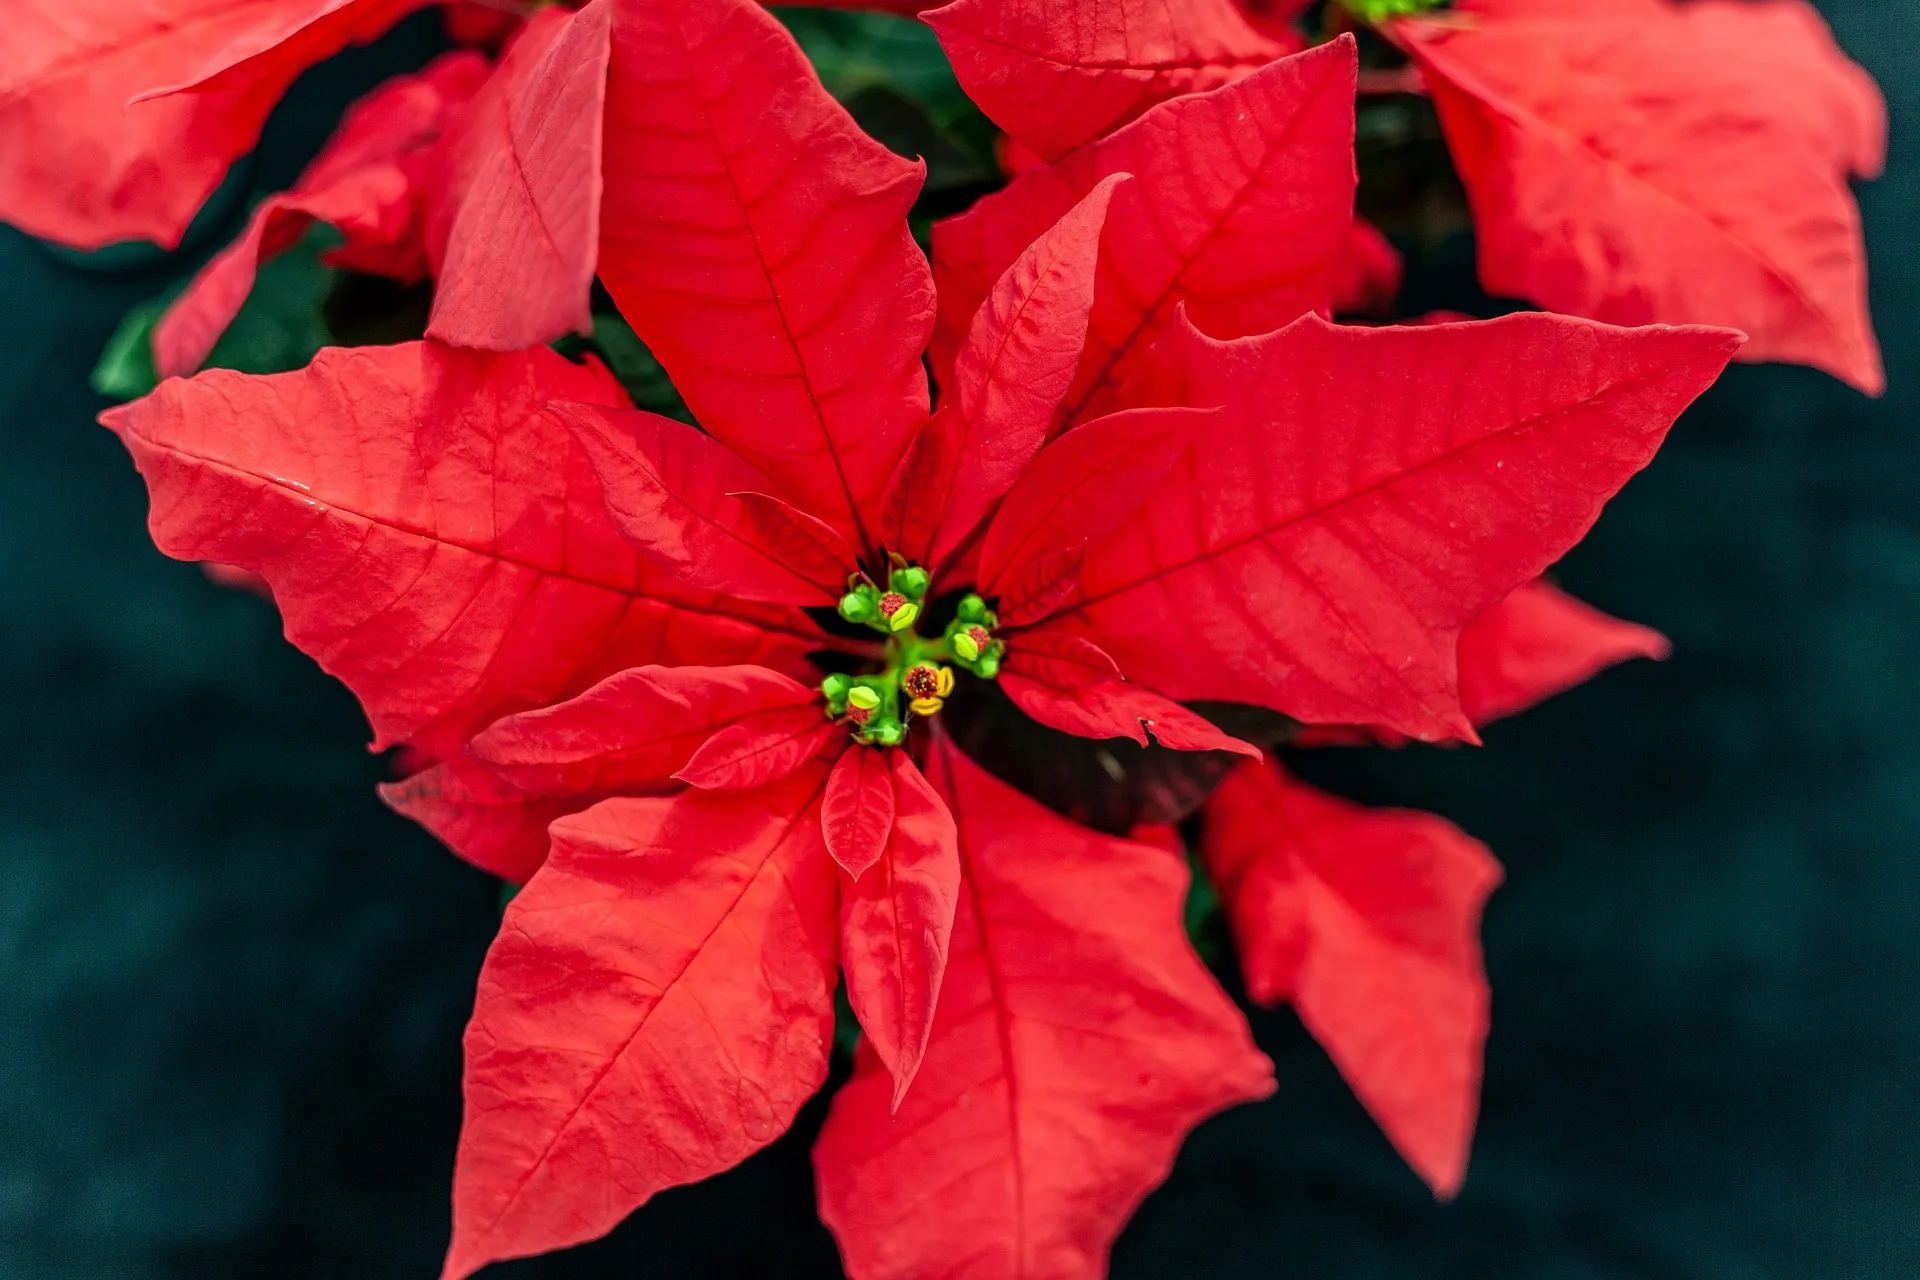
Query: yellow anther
x=903, y=617
x=862, y=697
x=965, y=647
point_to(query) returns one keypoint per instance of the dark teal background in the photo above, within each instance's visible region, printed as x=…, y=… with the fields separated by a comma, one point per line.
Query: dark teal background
x=232, y=985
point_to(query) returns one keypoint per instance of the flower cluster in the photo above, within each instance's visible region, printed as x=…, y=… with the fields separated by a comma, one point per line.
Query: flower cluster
x=797, y=690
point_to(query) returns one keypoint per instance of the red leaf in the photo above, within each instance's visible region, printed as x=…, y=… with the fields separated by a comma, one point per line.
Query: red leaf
x=858, y=811
x=1540, y=641
x=1078, y=490
x=1076, y=1042
x=757, y=241
x=1667, y=163
x=516, y=240
x=1366, y=494
x=489, y=822
x=1055, y=74
x=656, y=1008
x=369, y=183
x=896, y=922
x=1369, y=922
x=797, y=538
x=1366, y=279
x=477, y=24
x=1042, y=581
x=82, y=165
x=430, y=536
x=910, y=510
x=1021, y=350
x=1069, y=684
x=762, y=750
x=676, y=495
x=1239, y=207
x=636, y=729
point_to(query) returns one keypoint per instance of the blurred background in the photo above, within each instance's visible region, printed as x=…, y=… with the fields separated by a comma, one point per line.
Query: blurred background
x=232, y=984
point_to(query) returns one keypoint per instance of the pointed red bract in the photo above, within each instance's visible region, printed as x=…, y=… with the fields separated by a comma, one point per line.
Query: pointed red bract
x=1366, y=278
x=1058, y=73
x=757, y=752
x=1670, y=163
x=895, y=922
x=1368, y=921
x=675, y=493
x=636, y=729
x=796, y=538
x=516, y=241
x=857, y=813
x=1239, y=207
x=1538, y=642
x=756, y=239
x=1067, y=683
x=1365, y=495
x=432, y=537
x=1076, y=1042
x=656, y=1008
x=82, y=165
x=370, y=183
x=1078, y=490
x=491, y=823
x=1020, y=354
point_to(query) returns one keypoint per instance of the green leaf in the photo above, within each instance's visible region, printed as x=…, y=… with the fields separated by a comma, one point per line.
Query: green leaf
x=853, y=51
x=1202, y=915
x=125, y=370
x=846, y=1024
x=615, y=342
x=894, y=79
x=1377, y=11
x=281, y=327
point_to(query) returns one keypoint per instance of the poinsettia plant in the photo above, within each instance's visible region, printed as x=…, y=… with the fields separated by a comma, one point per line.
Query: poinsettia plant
x=686, y=602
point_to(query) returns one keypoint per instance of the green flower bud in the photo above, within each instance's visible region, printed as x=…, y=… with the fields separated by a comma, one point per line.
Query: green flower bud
x=973, y=609
x=1381, y=10
x=988, y=667
x=888, y=733
x=911, y=582
x=857, y=605
x=834, y=688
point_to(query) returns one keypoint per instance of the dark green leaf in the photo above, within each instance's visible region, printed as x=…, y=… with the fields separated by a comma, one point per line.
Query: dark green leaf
x=615, y=342
x=853, y=51
x=281, y=326
x=125, y=370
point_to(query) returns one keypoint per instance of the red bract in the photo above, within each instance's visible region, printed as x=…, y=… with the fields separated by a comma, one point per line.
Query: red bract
x=1366, y=494
x=1078, y=1040
x=514, y=232
x=1645, y=161
x=372, y=183
x=1368, y=922
x=118, y=120
x=1055, y=76
x=431, y=536
x=576, y=613
x=1540, y=641
x=1239, y=208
